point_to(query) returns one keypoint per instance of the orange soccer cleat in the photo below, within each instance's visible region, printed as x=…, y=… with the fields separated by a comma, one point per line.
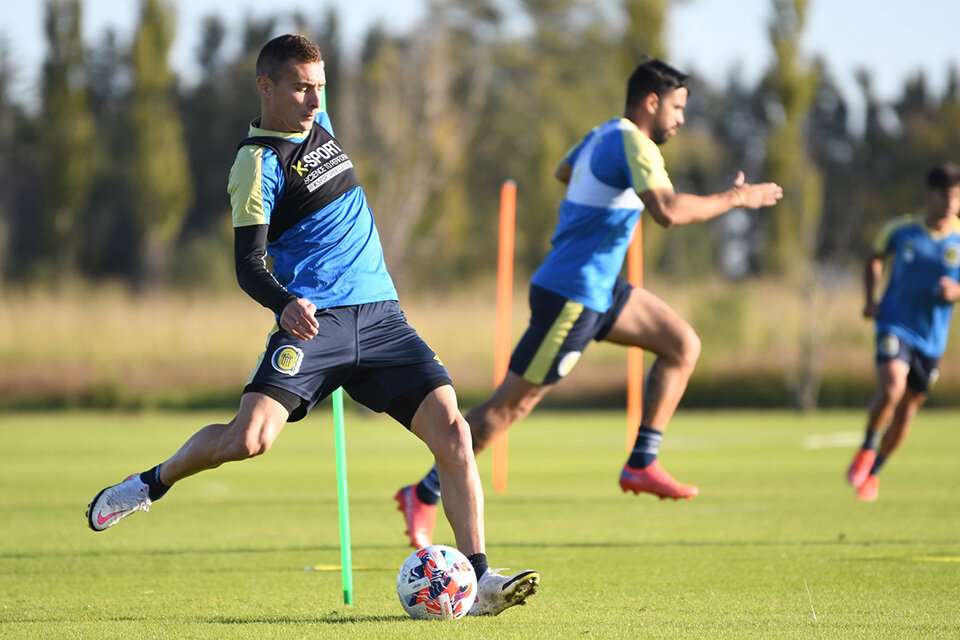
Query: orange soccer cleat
x=420, y=517
x=654, y=479
x=869, y=489
x=860, y=467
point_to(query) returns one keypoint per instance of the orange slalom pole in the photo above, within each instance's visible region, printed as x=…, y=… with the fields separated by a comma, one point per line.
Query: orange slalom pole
x=501, y=343
x=634, y=354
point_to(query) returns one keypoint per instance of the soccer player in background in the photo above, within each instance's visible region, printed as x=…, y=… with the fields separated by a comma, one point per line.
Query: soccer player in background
x=295, y=196
x=576, y=296
x=912, y=319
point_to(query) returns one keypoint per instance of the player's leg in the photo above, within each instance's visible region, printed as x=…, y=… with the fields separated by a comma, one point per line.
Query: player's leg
x=893, y=437
x=255, y=427
x=258, y=423
x=446, y=433
x=439, y=424
x=398, y=373
x=559, y=331
x=512, y=401
x=922, y=372
x=648, y=322
x=892, y=370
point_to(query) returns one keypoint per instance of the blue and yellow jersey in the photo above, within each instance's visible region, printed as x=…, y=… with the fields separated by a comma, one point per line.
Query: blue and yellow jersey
x=331, y=256
x=611, y=165
x=911, y=307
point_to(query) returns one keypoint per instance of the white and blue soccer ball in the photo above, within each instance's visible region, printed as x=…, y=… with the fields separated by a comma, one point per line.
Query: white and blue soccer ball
x=437, y=582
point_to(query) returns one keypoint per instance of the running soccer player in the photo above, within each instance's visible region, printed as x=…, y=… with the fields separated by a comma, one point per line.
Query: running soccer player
x=576, y=296
x=295, y=196
x=912, y=319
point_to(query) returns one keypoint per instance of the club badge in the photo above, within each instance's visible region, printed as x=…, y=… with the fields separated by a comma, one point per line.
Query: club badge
x=287, y=359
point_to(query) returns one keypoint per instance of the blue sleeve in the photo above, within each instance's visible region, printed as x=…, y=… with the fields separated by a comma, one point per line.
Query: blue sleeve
x=323, y=119
x=271, y=181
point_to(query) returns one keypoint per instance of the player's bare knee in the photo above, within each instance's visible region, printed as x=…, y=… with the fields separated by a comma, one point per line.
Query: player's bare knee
x=891, y=392
x=690, y=347
x=454, y=443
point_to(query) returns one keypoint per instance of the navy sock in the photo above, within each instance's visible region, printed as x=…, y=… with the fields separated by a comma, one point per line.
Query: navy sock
x=877, y=464
x=871, y=439
x=151, y=478
x=646, y=448
x=479, y=562
x=428, y=489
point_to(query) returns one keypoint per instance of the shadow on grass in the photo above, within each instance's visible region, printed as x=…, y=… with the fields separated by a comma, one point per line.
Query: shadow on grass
x=573, y=544
x=99, y=553
x=335, y=619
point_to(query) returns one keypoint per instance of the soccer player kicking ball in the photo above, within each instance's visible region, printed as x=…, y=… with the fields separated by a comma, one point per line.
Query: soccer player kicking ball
x=295, y=196
x=576, y=295
x=912, y=320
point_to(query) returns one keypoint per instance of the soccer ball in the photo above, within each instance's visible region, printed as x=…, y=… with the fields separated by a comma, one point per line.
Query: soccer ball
x=437, y=582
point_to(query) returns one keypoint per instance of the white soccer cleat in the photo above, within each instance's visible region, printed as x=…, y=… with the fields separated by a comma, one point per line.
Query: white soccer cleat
x=117, y=502
x=497, y=592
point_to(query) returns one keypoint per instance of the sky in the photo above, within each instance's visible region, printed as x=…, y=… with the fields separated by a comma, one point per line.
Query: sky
x=892, y=38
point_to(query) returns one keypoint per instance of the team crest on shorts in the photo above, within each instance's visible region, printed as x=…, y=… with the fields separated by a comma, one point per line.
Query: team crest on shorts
x=889, y=345
x=287, y=359
x=567, y=363
x=951, y=255
x=933, y=377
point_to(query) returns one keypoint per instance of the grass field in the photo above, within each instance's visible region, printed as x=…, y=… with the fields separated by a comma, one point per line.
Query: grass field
x=775, y=547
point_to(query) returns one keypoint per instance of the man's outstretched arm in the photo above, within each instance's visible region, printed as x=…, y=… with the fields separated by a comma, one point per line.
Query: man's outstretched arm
x=672, y=209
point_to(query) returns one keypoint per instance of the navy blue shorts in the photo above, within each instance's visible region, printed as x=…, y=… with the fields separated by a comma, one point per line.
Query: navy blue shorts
x=559, y=331
x=924, y=370
x=367, y=349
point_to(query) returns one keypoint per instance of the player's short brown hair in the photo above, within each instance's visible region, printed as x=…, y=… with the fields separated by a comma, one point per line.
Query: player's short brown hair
x=653, y=76
x=277, y=54
x=943, y=176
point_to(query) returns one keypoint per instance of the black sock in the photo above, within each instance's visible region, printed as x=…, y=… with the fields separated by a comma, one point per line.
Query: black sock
x=151, y=478
x=871, y=439
x=646, y=448
x=428, y=489
x=877, y=464
x=479, y=562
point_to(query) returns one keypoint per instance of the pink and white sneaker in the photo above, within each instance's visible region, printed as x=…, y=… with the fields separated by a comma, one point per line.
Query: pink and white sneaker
x=117, y=502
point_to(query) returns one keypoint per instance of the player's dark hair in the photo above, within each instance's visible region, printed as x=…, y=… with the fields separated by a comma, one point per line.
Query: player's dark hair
x=277, y=54
x=653, y=76
x=943, y=176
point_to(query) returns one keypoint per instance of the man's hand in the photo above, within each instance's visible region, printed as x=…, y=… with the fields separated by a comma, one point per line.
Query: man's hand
x=297, y=318
x=949, y=289
x=756, y=196
x=870, y=309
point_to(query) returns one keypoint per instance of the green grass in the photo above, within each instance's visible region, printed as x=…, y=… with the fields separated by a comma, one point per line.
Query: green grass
x=223, y=556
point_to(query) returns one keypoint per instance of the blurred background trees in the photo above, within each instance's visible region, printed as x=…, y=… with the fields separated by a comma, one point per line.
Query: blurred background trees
x=119, y=171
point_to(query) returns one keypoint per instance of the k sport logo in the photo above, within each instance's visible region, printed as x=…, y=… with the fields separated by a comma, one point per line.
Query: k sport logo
x=313, y=158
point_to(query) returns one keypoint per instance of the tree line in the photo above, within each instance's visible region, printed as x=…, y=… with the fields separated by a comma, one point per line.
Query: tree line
x=120, y=171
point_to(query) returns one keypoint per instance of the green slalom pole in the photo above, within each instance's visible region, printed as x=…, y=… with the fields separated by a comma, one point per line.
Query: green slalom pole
x=346, y=563
x=343, y=506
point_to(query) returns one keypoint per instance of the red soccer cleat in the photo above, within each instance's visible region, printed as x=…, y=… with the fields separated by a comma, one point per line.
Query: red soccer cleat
x=654, y=479
x=420, y=517
x=860, y=467
x=869, y=489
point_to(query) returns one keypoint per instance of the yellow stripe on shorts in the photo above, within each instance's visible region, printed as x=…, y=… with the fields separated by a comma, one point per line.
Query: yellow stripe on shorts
x=276, y=328
x=550, y=347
